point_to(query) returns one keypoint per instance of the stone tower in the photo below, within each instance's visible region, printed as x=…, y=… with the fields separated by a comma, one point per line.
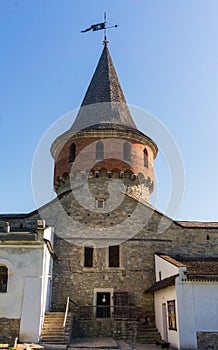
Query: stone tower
x=104, y=144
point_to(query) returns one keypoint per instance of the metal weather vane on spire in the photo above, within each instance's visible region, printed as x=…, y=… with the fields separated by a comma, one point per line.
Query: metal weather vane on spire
x=98, y=26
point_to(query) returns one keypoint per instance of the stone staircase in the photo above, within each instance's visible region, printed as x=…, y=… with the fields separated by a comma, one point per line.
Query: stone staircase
x=147, y=334
x=130, y=331
x=52, y=330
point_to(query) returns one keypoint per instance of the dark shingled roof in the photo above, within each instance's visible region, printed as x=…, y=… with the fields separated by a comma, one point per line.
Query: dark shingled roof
x=166, y=282
x=201, y=267
x=104, y=101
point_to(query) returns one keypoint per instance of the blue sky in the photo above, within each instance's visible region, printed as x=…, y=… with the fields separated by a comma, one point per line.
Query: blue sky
x=165, y=54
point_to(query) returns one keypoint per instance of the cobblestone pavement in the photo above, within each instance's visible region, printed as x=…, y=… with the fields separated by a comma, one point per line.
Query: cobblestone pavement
x=109, y=344
x=99, y=343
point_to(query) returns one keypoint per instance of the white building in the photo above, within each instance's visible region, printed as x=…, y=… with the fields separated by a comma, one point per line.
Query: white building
x=186, y=301
x=25, y=282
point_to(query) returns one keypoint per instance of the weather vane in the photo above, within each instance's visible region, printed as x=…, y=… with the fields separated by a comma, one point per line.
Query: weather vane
x=98, y=26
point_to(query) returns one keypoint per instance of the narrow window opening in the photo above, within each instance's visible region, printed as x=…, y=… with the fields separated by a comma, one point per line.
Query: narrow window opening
x=114, y=256
x=127, y=151
x=208, y=238
x=100, y=203
x=145, y=158
x=172, y=314
x=99, y=150
x=160, y=277
x=88, y=257
x=72, y=154
x=3, y=279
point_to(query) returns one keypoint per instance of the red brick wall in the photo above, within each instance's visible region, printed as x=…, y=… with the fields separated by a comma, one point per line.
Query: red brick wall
x=113, y=154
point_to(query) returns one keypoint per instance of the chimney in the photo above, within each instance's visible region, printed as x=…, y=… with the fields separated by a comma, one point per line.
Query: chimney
x=8, y=227
x=41, y=224
x=40, y=229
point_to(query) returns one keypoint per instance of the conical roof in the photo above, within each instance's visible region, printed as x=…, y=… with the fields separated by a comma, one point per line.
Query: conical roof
x=104, y=104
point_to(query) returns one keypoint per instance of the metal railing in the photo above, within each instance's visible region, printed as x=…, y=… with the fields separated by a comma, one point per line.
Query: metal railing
x=65, y=317
x=66, y=314
x=89, y=312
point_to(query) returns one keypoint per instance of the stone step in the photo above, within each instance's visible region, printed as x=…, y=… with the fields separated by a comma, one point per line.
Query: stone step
x=54, y=341
x=52, y=330
x=54, y=336
x=150, y=335
x=147, y=334
x=54, y=333
x=54, y=326
x=123, y=345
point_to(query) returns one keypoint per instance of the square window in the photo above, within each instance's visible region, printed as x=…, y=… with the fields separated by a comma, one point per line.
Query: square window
x=100, y=203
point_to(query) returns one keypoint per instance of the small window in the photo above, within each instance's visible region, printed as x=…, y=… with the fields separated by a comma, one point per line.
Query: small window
x=160, y=276
x=88, y=257
x=99, y=150
x=100, y=203
x=127, y=151
x=145, y=158
x=72, y=154
x=3, y=279
x=114, y=256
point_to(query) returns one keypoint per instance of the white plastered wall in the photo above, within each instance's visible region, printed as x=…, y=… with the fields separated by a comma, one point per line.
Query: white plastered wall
x=21, y=261
x=36, y=298
x=28, y=290
x=196, y=305
x=166, y=268
x=197, y=310
x=161, y=297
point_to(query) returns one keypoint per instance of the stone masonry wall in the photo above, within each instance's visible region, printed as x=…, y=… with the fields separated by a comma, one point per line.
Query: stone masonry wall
x=207, y=340
x=9, y=330
x=139, y=240
x=108, y=328
x=136, y=272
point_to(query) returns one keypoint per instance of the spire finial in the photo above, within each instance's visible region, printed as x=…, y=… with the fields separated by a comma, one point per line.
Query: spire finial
x=105, y=41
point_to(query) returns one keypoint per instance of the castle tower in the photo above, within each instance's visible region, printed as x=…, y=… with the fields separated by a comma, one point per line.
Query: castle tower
x=104, y=143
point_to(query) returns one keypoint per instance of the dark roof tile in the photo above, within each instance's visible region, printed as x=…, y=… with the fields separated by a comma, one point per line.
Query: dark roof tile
x=166, y=282
x=104, y=101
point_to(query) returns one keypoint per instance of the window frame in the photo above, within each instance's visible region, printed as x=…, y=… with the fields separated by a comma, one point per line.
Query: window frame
x=171, y=308
x=114, y=257
x=88, y=258
x=98, y=201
